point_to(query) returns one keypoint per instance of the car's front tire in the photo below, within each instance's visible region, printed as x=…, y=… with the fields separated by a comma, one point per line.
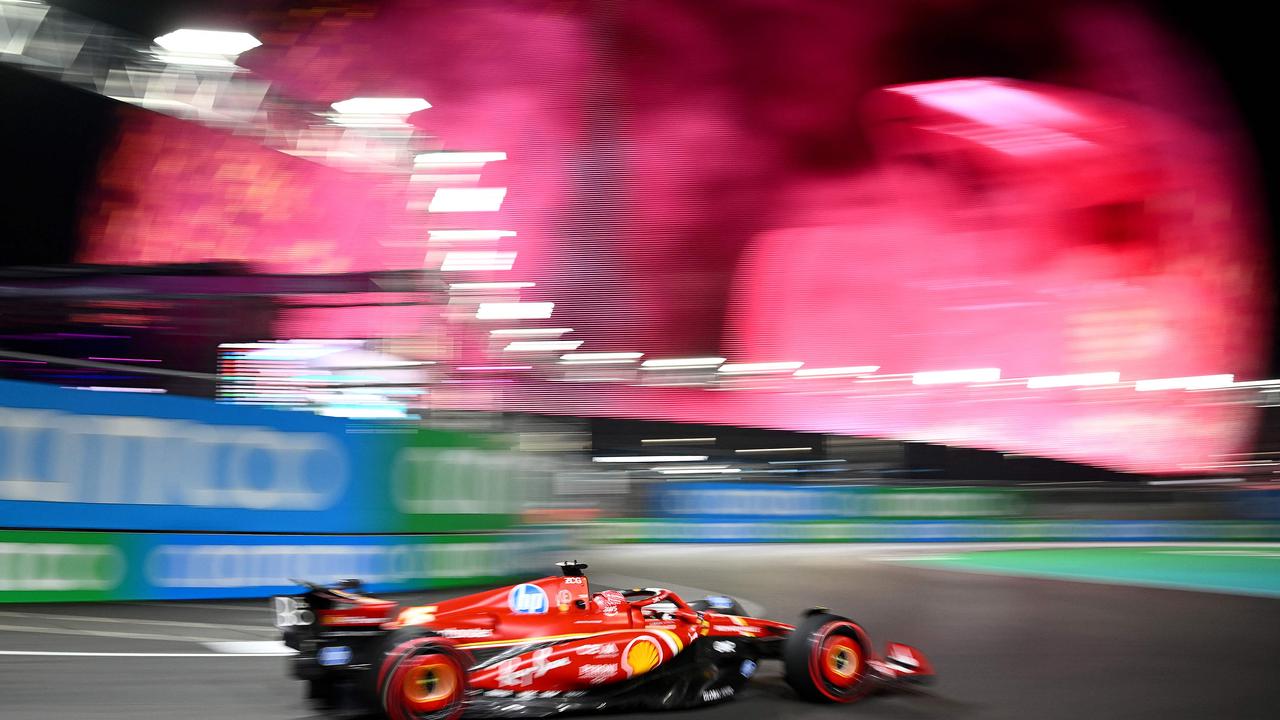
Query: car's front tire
x=825, y=659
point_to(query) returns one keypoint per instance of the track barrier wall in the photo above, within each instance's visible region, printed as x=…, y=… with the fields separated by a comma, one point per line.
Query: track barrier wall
x=118, y=496
x=863, y=511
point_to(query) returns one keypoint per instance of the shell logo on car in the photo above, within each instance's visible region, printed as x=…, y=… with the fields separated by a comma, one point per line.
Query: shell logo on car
x=640, y=656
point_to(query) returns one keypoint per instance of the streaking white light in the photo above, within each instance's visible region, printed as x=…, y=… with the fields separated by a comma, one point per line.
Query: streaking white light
x=380, y=106
x=836, y=371
x=466, y=286
x=677, y=441
x=218, y=61
x=708, y=471
x=292, y=351
x=467, y=199
x=758, y=368
x=530, y=332
x=443, y=179
x=478, y=260
x=649, y=458
x=366, y=121
x=750, y=451
x=515, y=311
x=943, y=377
x=1076, y=380
x=207, y=42
x=458, y=158
x=470, y=234
x=1194, y=382
x=804, y=462
x=673, y=363
x=542, y=345
x=595, y=357
x=1256, y=383
x=1197, y=481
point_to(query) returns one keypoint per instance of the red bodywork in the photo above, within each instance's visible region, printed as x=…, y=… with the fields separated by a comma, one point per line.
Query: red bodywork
x=552, y=646
x=598, y=639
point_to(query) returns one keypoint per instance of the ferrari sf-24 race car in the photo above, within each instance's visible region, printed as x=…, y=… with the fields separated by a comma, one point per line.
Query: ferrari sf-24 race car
x=552, y=646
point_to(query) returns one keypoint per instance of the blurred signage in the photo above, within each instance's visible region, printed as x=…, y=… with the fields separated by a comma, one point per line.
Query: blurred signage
x=41, y=566
x=965, y=530
x=736, y=500
x=82, y=460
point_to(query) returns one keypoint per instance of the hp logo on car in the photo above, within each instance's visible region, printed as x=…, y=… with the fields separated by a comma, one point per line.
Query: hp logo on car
x=527, y=599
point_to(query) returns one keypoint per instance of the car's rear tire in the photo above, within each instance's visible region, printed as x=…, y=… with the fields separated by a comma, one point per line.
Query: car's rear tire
x=422, y=678
x=825, y=659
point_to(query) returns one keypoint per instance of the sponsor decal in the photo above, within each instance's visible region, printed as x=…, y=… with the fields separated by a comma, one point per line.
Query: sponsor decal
x=574, y=581
x=563, y=598
x=510, y=671
x=599, y=649
x=466, y=633
x=724, y=646
x=527, y=599
x=748, y=668
x=737, y=628
x=335, y=655
x=597, y=673
x=717, y=694
x=609, y=600
x=640, y=656
x=417, y=615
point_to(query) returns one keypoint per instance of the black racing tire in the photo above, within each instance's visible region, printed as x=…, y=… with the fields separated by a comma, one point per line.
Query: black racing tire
x=421, y=677
x=321, y=694
x=825, y=659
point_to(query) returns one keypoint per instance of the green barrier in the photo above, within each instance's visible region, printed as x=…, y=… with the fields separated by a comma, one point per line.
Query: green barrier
x=441, y=481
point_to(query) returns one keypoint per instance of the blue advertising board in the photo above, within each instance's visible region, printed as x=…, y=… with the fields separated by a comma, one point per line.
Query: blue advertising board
x=73, y=459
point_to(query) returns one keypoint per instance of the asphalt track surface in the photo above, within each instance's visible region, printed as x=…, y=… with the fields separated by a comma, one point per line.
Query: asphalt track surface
x=1005, y=647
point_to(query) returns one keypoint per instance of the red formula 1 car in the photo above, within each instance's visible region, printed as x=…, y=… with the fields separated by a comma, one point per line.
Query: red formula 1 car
x=552, y=646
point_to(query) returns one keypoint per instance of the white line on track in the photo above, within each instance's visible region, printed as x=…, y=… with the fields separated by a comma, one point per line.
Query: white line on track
x=107, y=633
x=50, y=653
x=264, y=628
x=261, y=608
x=267, y=647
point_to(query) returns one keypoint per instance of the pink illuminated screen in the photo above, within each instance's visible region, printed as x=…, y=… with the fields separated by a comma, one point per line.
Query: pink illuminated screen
x=813, y=185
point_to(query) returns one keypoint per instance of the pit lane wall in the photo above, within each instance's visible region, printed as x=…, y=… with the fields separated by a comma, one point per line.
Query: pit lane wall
x=120, y=496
